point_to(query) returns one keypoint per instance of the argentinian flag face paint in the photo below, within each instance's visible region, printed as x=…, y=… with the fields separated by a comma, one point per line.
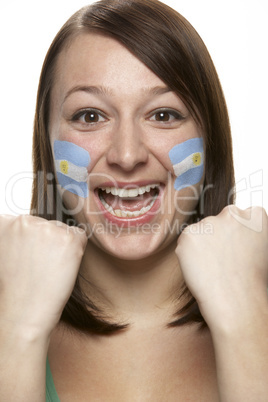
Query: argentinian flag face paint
x=71, y=162
x=187, y=159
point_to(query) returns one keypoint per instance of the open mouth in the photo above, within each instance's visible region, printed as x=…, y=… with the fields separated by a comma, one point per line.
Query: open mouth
x=129, y=202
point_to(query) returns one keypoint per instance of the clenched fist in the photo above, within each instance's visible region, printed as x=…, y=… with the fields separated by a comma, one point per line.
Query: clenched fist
x=226, y=268
x=39, y=263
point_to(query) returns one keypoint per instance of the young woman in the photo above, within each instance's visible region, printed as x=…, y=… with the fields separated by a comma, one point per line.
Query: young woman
x=135, y=278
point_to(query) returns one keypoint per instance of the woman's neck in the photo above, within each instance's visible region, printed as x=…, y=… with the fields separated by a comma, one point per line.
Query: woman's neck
x=136, y=291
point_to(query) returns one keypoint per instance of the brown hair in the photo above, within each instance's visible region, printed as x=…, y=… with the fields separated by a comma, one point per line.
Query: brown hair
x=166, y=43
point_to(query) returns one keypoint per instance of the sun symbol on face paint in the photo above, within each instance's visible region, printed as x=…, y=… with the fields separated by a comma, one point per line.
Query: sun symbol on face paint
x=64, y=167
x=197, y=158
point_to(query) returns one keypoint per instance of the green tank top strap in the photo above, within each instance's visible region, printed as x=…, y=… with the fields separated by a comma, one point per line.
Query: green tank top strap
x=51, y=393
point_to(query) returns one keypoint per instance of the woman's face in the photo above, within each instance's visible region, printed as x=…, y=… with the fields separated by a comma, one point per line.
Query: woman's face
x=126, y=120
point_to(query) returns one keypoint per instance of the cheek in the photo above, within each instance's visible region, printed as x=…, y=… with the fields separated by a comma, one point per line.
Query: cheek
x=71, y=165
x=92, y=144
x=186, y=200
x=187, y=160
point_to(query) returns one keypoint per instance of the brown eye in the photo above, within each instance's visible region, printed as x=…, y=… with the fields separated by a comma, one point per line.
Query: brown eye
x=166, y=116
x=91, y=117
x=162, y=116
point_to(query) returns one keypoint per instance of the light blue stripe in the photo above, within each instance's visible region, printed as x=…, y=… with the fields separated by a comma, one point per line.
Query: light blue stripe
x=64, y=150
x=76, y=187
x=186, y=148
x=189, y=178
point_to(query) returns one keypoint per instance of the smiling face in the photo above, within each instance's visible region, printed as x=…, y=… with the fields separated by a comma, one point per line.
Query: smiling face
x=109, y=104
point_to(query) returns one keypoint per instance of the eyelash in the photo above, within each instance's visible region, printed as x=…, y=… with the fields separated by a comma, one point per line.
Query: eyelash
x=84, y=112
x=97, y=113
x=166, y=111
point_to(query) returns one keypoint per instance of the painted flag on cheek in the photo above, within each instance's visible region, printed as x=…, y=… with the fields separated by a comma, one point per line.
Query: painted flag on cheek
x=71, y=162
x=187, y=159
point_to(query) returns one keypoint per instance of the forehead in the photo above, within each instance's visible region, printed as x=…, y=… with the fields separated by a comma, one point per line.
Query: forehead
x=92, y=58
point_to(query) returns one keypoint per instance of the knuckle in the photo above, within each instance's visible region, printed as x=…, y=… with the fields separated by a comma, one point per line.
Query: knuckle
x=27, y=221
x=226, y=209
x=230, y=210
x=258, y=211
x=187, y=232
x=6, y=220
x=69, y=237
x=22, y=222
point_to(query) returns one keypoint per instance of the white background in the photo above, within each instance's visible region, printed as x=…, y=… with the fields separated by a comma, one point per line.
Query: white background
x=236, y=34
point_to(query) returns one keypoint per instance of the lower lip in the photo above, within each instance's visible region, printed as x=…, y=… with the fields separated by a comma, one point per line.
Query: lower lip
x=130, y=222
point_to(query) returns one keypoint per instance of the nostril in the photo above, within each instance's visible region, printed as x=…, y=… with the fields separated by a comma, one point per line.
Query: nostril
x=127, y=149
x=127, y=161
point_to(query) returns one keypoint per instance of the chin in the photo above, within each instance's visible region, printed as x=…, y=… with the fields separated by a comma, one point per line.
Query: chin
x=126, y=246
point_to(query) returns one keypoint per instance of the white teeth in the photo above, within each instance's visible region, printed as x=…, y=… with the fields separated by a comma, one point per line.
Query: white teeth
x=131, y=193
x=135, y=213
x=127, y=214
x=110, y=209
x=118, y=213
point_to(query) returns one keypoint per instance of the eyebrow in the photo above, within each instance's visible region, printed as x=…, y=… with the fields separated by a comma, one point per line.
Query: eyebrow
x=159, y=90
x=102, y=90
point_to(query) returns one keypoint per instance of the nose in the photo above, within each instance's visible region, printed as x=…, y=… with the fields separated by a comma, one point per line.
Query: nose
x=127, y=149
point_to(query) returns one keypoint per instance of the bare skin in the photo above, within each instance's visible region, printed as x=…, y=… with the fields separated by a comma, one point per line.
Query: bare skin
x=137, y=273
x=124, y=145
x=141, y=364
